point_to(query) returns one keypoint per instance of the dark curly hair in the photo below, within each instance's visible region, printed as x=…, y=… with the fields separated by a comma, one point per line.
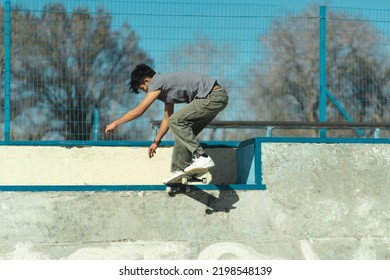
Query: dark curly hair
x=140, y=72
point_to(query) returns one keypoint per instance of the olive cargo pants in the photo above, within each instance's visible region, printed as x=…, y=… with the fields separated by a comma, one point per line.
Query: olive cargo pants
x=188, y=122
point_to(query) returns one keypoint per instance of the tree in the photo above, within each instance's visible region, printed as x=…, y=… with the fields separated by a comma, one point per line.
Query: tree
x=64, y=65
x=356, y=69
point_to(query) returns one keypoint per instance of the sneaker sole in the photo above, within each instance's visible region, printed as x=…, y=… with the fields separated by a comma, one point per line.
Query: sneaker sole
x=176, y=180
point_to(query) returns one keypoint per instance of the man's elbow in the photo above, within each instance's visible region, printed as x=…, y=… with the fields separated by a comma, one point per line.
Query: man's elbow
x=138, y=112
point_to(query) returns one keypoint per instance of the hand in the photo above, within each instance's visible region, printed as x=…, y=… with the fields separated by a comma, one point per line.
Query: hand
x=110, y=127
x=152, y=150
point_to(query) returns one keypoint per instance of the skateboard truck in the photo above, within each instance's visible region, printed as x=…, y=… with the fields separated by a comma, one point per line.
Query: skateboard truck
x=184, y=183
x=177, y=188
x=194, y=179
x=189, y=179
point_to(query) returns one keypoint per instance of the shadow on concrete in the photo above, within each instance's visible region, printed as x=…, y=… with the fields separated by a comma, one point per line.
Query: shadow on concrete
x=223, y=203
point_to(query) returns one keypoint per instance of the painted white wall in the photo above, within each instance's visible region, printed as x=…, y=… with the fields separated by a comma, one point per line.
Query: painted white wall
x=53, y=165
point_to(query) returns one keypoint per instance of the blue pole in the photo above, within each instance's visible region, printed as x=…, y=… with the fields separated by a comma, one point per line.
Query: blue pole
x=322, y=65
x=96, y=124
x=7, y=68
x=342, y=110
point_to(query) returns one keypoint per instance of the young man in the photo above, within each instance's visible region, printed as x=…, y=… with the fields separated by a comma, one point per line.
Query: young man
x=205, y=98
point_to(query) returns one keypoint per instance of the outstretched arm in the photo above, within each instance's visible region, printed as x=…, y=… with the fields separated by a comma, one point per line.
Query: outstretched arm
x=168, y=111
x=135, y=112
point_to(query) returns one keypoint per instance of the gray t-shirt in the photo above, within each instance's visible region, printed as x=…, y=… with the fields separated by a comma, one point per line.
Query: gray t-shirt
x=181, y=87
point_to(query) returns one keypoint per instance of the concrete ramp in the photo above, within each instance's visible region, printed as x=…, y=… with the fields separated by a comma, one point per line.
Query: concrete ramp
x=322, y=201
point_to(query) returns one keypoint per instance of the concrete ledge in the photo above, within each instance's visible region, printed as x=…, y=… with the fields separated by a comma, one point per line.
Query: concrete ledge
x=120, y=168
x=98, y=167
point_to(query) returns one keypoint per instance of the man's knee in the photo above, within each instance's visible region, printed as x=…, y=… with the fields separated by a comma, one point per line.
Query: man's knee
x=172, y=121
x=175, y=121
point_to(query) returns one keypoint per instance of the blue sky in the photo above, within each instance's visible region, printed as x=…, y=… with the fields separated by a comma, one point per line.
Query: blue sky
x=366, y=4
x=141, y=14
x=374, y=4
x=154, y=6
x=159, y=35
x=164, y=26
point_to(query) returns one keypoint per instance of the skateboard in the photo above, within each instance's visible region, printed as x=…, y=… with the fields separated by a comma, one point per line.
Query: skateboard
x=184, y=182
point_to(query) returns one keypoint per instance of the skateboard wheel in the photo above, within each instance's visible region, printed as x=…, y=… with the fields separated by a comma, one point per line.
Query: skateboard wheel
x=204, y=180
x=168, y=189
x=184, y=180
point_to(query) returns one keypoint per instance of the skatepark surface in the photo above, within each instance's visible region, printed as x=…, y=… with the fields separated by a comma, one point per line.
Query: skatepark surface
x=321, y=201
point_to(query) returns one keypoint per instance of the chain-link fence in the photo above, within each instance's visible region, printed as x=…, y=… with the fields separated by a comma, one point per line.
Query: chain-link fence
x=66, y=64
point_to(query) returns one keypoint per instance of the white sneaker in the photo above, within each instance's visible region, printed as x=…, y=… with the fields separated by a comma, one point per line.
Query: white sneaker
x=174, y=178
x=200, y=164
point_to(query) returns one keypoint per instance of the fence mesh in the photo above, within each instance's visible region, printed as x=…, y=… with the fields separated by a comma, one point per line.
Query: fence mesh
x=71, y=62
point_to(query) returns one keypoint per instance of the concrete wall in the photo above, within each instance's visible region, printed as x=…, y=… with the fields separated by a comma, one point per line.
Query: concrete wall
x=53, y=165
x=323, y=201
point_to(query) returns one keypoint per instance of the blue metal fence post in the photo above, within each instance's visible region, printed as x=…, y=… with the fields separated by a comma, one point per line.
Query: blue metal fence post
x=96, y=124
x=322, y=65
x=7, y=68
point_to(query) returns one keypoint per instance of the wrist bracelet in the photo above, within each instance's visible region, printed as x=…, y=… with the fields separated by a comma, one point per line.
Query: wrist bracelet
x=157, y=142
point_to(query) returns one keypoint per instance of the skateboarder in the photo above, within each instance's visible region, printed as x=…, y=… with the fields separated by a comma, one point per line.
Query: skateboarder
x=205, y=98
